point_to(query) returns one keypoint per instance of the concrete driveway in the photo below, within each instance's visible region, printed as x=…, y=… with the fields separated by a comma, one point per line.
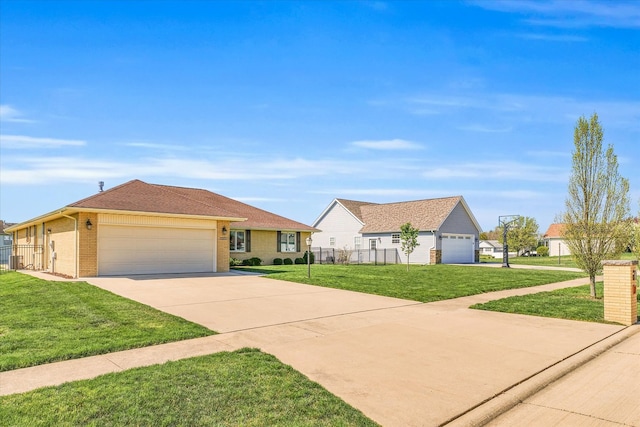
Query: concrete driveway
x=402, y=363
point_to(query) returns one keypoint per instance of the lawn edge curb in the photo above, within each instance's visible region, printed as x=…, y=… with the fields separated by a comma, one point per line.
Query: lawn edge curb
x=506, y=400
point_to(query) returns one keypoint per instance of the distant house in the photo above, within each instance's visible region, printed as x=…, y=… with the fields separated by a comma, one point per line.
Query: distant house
x=491, y=248
x=5, y=244
x=141, y=228
x=554, y=240
x=448, y=229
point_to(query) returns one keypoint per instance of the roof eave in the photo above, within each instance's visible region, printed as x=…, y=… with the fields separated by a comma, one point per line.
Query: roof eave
x=67, y=210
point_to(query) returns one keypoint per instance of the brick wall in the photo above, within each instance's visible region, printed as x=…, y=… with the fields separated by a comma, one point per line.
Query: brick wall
x=222, y=249
x=435, y=256
x=620, y=292
x=88, y=245
x=264, y=246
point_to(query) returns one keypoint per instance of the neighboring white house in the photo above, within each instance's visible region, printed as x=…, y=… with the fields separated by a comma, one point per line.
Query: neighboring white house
x=448, y=230
x=491, y=247
x=554, y=240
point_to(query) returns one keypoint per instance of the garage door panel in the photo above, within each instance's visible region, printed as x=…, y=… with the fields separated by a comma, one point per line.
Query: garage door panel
x=458, y=249
x=152, y=250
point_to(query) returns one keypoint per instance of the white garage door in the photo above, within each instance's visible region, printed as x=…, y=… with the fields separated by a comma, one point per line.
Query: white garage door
x=458, y=249
x=151, y=250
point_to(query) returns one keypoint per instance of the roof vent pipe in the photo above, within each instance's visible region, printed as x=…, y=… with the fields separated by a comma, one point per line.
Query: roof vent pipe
x=101, y=185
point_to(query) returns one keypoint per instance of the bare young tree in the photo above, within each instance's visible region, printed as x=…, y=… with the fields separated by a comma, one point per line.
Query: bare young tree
x=597, y=205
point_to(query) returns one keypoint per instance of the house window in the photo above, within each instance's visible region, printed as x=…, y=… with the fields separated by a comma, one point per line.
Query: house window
x=395, y=238
x=357, y=242
x=287, y=242
x=332, y=241
x=237, y=241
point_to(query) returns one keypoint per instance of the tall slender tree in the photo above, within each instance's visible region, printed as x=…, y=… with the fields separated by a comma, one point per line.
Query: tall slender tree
x=408, y=239
x=597, y=204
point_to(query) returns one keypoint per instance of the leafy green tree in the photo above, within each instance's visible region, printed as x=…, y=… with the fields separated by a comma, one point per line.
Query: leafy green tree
x=408, y=239
x=597, y=205
x=522, y=235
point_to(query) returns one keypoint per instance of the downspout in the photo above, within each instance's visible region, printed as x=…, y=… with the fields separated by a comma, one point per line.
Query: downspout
x=77, y=238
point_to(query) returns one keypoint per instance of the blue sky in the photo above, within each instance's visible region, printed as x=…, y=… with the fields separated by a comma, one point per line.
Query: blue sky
x=287, y=105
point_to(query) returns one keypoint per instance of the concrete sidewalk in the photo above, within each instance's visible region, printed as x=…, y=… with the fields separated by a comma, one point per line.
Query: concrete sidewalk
x=402, y=363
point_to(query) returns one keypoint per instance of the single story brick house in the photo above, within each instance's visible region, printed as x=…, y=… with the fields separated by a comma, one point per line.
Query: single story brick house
x=141, y=228
x=449, y=232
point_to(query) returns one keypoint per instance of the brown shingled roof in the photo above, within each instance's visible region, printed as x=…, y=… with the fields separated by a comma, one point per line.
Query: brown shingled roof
x=424, y=215
x=140, y=196
x=354, y=206
x=555, y=230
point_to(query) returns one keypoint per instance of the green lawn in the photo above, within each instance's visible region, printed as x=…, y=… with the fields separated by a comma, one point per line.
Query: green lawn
x=45, y=321
x=421, y=283
x=569, y=303
x=548, y=261
x=246, y=387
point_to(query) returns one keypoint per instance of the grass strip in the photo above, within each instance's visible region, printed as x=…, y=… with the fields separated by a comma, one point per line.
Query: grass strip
x=569, y=303
x=245, y=387
x=421, y=283
x=45, y=321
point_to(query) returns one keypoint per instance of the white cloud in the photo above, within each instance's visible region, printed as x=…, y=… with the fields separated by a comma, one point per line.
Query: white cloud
x=554, y=37
x=571, y=14
x=22, y=141
x=390, y=144
x=38, y=170
x=485, y=129
x=499, y=170
x=10, y=114
x=154, y=146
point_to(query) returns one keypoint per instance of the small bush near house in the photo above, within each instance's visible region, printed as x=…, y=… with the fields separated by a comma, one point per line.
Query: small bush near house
x=299, y=261
x=277, y=261
x=287, y=261
x=252, y=262
x=313, y=257
x=542, y=251
x=234, y=262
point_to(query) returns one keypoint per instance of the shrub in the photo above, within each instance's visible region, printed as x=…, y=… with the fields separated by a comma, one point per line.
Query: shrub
x=287, y=261
x=542, y=251
x=277, y=261
x=252, y=262
x=299, y=261
x=313, y=257
x=234, y=262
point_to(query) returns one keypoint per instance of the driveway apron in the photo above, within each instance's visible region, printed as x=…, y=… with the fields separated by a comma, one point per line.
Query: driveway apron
x=400, y=362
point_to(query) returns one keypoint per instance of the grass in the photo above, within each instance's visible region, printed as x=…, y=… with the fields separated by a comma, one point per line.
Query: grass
x=245, y=387
x=547, y=261
x=45, y=321
x=421, y=283
x=569, y=303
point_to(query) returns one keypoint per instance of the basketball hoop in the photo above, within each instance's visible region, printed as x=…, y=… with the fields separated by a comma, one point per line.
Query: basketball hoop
x=506, y=222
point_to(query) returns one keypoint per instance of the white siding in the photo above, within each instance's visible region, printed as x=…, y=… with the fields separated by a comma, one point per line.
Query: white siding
x=420, y=255
x=340, y=224
x=557, y=246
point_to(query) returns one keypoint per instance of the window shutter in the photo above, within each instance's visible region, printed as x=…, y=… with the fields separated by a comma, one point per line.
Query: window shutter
x=298, y=247
x=278, y=236
x=247, y=240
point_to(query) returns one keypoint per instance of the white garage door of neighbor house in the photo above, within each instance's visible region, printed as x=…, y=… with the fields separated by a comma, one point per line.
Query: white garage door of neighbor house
x=151, y=250
x=458, y=248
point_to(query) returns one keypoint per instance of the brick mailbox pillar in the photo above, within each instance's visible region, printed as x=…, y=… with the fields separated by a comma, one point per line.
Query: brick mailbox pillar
x=620, y=292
